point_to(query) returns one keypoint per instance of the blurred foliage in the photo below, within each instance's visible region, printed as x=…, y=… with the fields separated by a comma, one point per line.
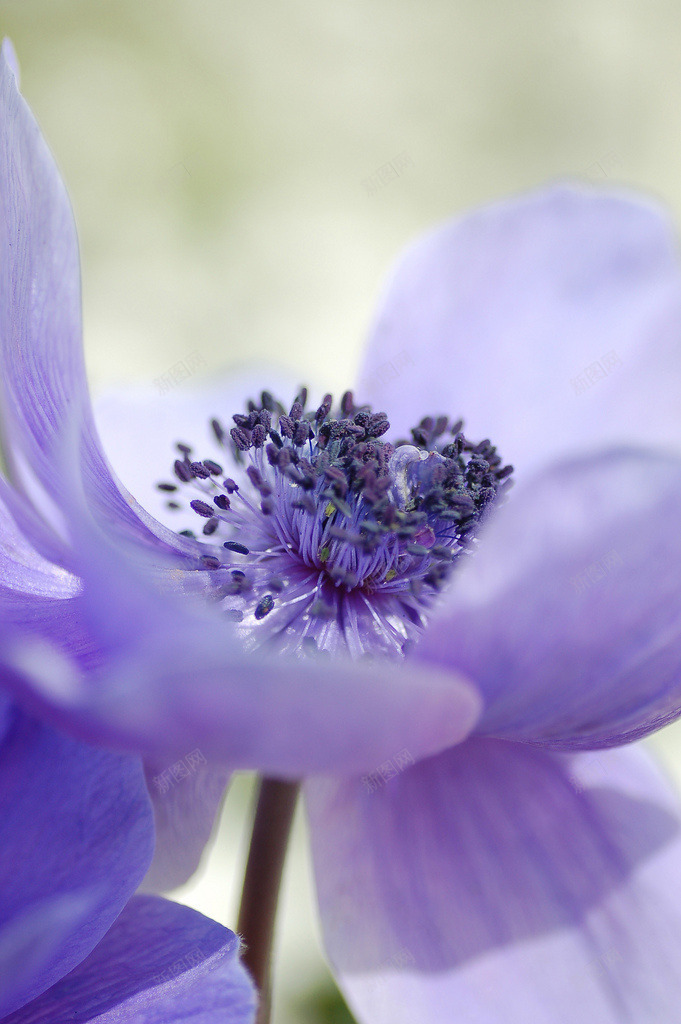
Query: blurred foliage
x=323, y=1005
x=221, y=157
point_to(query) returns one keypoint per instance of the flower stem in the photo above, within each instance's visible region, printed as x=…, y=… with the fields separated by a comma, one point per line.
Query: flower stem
x=272, y=821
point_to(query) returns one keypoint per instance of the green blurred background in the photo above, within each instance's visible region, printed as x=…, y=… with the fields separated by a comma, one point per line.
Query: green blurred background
x=220, y=155
x=227, y=166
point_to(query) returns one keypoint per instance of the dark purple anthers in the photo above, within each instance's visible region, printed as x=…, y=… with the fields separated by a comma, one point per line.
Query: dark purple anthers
x=199, y=470
x=182, y=471
x=355, y=535
x=233, y=545
x=201, y=508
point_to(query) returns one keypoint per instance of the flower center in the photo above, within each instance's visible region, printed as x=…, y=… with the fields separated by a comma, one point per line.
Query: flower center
x=327, y=537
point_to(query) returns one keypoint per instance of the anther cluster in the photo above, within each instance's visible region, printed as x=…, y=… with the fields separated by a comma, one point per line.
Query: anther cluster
x=326, y=536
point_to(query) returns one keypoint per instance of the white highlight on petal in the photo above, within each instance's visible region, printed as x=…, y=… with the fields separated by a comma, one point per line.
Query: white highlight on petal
x=50, y=671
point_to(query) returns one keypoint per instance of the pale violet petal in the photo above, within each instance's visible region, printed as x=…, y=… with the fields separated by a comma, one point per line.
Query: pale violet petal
x=549, y=321
x=498, y=882
x=567, y=614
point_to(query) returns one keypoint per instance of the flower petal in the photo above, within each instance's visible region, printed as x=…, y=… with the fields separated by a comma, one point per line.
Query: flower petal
x=161, y=963
x=500, y=882
x=22, y=568
x=77, y=837
x=158, y=671
x=36, y=595
x=42, y=371
x=548, y=321
x=280, y=717
x=173, y=678
x=37, y=533
x=186, y=798
x=41, y=351
x=140, y=426
x=568, y=615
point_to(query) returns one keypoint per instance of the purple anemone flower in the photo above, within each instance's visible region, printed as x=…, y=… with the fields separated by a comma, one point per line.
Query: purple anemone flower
x=449, y=669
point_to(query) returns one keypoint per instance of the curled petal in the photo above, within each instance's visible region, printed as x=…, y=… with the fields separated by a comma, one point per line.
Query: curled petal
x=23, y=569
x=36, y=594
x=173, y=679
x=17, y=514
x=42, y=370
x=193, y=690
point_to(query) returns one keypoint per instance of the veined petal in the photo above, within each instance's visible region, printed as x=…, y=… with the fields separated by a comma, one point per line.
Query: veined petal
x=42, y=371
x=548, y=321
x=500, y=882
x=36, y=531
x=160, y=963
x=77, y=837
x=41, y=350
x=22, y=568
x=568, y=615
x=36, y=594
